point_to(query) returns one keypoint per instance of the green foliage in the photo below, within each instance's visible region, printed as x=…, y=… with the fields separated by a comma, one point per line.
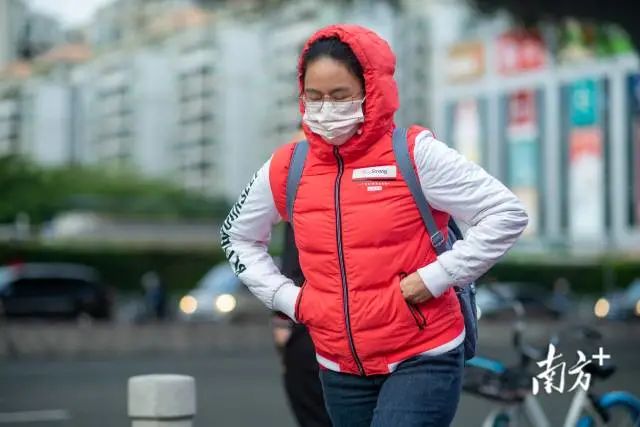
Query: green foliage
x=42, y=193
x=587, y=276
x=532, y=12
x=181, y=268
x=23, y=187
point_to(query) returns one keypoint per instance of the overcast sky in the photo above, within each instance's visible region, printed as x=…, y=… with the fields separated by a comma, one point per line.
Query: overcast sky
x=71, y=13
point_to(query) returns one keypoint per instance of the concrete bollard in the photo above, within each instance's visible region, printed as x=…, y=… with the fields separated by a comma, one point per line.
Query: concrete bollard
x=162, y=400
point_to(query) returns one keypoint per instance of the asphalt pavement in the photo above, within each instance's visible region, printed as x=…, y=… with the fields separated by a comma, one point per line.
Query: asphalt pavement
x=238, y=381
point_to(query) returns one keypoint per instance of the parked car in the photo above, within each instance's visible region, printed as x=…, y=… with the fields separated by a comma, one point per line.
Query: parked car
x=219, y=296
x=620, y=305
x=53, y=290
x=494, y=300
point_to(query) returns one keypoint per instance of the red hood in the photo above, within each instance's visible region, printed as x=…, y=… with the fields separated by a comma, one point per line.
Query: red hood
x=381, y=92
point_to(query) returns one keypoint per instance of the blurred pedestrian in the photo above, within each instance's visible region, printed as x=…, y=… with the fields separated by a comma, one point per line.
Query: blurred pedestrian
x=294, y=345
x=300, y=375
x=155, y=296
x=561, y=299
x=377, y=299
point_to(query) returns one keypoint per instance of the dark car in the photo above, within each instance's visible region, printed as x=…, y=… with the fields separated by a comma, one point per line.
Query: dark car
x=53, y=290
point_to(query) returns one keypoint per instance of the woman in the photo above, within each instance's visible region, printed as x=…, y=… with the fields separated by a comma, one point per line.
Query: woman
x=378, y=301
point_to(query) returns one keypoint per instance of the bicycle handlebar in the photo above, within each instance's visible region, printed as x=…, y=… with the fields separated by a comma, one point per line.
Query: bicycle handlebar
x=527, y=352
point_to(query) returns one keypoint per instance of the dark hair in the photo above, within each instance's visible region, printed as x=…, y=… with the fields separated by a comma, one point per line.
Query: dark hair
x=334, y=48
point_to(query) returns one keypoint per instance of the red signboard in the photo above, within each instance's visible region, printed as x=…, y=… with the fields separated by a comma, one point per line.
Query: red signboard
x=522, y=109
x=519, y=51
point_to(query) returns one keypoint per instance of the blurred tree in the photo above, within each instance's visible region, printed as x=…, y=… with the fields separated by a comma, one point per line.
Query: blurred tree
x=530, y=12
x=41, y=193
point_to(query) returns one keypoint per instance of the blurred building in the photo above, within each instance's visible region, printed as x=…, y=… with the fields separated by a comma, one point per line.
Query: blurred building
x=421, y=30
x=558, y=124
x=13, y=20
x=415, y=29
x=11, y=119
x=128, y=98
x=39, y=112
x=243, y=103
x=128, y=21
x=204, y=96
x=47, y=108
x=197, y=148
x=24, y=34
x=34, y=121
x=41, y=33
x=172, y=92
x=286, y=30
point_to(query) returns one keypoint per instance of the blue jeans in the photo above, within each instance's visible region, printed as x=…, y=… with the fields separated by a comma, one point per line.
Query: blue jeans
x=422, y=391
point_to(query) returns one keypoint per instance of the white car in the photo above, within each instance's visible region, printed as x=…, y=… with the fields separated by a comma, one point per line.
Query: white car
x=620, y=305
x=219, y=296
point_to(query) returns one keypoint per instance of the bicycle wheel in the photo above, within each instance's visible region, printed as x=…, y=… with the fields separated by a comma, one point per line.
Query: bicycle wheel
x=622, y=410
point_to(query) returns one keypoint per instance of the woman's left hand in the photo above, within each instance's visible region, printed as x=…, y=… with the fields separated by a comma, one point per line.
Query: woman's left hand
x=414, y=290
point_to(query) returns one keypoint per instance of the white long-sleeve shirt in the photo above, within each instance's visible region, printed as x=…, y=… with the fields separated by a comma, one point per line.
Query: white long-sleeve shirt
x=450, y=183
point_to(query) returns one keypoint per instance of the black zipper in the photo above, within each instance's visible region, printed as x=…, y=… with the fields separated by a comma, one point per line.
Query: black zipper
x=343, y=272
x=421, y=322
x=416, y=313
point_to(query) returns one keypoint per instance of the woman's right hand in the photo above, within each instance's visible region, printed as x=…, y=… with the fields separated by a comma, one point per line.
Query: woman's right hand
x=414, y=290
x=281, y=336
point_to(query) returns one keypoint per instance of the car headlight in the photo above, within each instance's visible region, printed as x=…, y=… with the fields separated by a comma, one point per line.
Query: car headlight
x=602, y=307
x=188, y=304
x=638, y=308
x=225, y=303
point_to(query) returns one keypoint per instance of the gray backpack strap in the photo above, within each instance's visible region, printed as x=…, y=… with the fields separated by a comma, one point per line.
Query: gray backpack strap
x=296, y=166
x=403, y=159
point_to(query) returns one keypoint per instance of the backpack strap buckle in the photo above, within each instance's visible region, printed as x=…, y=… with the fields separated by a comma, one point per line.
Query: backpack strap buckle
x=437, y=239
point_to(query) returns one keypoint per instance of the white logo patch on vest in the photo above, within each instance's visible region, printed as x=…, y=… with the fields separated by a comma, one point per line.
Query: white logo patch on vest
x=375, y=172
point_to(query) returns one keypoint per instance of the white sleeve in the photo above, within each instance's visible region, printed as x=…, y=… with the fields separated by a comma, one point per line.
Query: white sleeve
x=245, y=236
x=467, y=192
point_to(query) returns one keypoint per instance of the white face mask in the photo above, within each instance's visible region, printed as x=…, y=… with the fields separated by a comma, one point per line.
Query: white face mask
x=334, y=121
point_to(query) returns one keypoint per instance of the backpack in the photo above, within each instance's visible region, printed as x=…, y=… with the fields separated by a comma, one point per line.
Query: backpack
x=466, y=294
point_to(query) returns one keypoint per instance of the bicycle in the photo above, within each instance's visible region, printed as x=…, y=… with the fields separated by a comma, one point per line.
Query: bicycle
x=511, y=388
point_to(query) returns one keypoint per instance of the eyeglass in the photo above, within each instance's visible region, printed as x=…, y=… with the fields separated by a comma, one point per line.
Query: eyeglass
x=339, y=105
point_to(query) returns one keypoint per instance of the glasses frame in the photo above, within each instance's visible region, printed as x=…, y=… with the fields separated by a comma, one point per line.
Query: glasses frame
x=358, y=97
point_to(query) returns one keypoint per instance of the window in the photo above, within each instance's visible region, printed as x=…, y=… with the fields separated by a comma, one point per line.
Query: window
x=47, y=287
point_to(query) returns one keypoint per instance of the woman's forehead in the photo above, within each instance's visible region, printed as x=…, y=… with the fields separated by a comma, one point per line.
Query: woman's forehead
x=327, y=74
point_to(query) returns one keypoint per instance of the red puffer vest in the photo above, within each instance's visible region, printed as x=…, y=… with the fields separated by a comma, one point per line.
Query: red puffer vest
x=358, y=237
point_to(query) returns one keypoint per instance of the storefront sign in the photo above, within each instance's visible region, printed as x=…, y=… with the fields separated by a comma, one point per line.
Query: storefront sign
x=586, y=161
x=465, y=62
x=523, y=149
x=467, y=138
x=520, y=51
x=635, y=146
